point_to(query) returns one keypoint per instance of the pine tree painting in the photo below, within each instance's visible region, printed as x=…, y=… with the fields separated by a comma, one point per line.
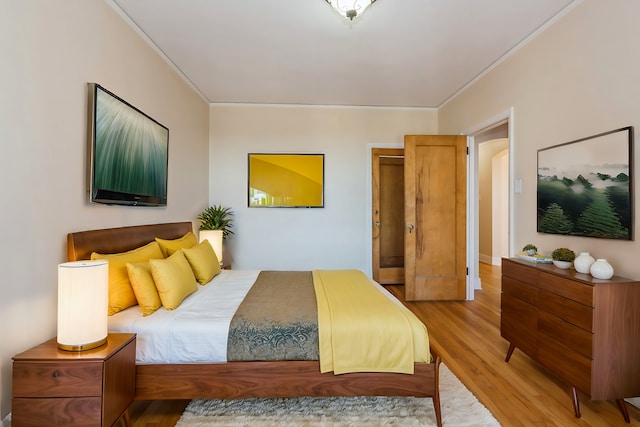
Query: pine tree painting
x=584, y=187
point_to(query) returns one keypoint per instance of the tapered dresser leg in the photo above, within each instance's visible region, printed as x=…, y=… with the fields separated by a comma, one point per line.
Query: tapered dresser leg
x=576, y=402
x=623, y=409
x=509, y=352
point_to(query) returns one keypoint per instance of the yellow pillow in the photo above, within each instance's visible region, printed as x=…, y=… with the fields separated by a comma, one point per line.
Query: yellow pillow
x=169, y=247
x=121, y=294
x=144, y=287
x=203, y=261
x=174, y=279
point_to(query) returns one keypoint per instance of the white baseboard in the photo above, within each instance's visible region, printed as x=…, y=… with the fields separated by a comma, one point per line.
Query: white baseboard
x=491, y=260
x=487, y=259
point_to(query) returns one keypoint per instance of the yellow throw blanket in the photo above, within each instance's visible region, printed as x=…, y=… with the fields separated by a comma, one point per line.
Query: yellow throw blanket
x=361, y=330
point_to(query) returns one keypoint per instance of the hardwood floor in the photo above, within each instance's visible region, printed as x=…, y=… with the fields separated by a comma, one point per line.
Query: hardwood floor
x=466, y=334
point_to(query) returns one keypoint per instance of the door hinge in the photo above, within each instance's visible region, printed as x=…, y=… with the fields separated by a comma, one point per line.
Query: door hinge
x=467, y=151
x=467, y=271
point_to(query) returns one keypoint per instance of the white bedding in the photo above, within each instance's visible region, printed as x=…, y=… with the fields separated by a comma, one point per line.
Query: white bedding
x=192, y=333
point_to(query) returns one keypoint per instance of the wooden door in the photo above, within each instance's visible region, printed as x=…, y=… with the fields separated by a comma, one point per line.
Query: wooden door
x=388, y=215
x=435, y=217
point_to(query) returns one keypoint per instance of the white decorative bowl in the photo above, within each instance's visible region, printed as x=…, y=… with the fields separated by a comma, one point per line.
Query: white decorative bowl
x=562, y=264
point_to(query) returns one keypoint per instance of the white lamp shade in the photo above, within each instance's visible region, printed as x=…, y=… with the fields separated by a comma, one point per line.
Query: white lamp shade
x=215, y=240
x=83, y=299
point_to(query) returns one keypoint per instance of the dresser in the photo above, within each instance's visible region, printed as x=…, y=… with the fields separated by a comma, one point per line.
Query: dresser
x=584, y=330
x=64, y=388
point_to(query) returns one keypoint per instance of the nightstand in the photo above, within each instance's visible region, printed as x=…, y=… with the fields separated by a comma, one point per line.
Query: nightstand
x=89, y=388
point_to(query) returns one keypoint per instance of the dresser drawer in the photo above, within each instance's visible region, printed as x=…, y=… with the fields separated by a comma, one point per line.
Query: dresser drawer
x=44, y=379
x=566, y=309
x=572, y=336
x=82, y=412
x=567, y=364
x=517, y=289
x=520, y=272
x=577, y=291
x=518, y=323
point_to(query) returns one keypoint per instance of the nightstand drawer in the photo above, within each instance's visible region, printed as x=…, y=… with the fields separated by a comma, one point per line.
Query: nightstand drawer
x=52, y=387
x=42, y=379
x=78, y=412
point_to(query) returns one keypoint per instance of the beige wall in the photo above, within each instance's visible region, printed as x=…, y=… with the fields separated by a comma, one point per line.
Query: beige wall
x=49, y=50
x=577, y=78
x=332, y=237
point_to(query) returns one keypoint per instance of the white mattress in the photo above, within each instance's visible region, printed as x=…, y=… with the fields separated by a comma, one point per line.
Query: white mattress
x=192, y=333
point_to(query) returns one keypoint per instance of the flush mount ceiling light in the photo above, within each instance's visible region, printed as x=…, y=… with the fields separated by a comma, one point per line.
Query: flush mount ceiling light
x=350, y=8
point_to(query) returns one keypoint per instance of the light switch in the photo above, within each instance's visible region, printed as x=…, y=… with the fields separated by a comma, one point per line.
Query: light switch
x=518, y=186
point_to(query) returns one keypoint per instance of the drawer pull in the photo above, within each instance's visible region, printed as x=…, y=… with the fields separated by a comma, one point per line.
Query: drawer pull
x=56, y=374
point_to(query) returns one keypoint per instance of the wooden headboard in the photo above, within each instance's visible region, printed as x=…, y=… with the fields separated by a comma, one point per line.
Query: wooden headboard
x=81, y=244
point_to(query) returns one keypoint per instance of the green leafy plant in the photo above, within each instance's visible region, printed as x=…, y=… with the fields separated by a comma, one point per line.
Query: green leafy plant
x=563, y=254
x=217, y=218
x=529, y=247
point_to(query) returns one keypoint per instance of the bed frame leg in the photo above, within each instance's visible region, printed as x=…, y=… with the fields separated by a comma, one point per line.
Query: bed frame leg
x=126, y=417
x=436, y=393
x=436, y=406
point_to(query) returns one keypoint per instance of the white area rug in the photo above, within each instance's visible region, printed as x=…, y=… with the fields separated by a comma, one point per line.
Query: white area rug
x=460, y=408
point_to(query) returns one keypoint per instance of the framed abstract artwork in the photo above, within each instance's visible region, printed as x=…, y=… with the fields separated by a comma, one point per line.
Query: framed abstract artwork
x=128, y=153
x=286, y=180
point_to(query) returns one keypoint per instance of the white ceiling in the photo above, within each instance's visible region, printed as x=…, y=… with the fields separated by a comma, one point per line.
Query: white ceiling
x=399, y=53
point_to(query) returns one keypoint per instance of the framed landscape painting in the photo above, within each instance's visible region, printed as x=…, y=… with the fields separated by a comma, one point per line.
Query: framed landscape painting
x=585, y=186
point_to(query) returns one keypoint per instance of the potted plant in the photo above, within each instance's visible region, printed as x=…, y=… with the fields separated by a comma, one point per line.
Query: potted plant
x=563, y=257
x=530, y=249
x=217, y=218
x=215, y=226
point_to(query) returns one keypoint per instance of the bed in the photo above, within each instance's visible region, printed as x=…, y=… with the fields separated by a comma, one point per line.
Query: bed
x=246, y=379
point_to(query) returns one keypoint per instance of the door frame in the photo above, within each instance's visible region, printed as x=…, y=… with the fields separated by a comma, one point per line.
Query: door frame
x=369, y=212
x=473, y=279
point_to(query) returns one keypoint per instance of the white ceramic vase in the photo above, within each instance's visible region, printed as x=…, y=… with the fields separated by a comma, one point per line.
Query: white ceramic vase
x=583, y=262
x=601, y=269
x=562, y=264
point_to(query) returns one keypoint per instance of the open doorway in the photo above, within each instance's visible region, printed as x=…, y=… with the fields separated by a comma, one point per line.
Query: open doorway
x=498, y=245
x=388, y=215
x=493, y=203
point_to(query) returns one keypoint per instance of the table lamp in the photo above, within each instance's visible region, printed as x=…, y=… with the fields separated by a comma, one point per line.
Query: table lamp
x=215, y=239
x=83, y=298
